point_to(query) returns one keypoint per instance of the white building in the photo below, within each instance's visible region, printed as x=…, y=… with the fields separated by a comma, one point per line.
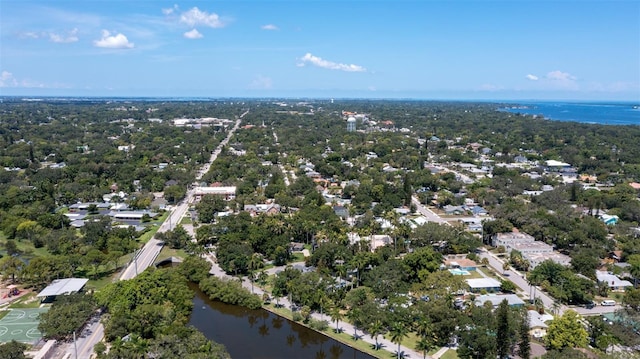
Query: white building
x=228, y=193
x=615, y=283
x=507, y=239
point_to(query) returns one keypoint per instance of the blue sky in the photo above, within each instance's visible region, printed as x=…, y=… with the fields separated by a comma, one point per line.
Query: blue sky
x=582, y=50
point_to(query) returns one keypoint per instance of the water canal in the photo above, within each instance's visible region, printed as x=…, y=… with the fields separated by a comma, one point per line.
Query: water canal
x=260, y=334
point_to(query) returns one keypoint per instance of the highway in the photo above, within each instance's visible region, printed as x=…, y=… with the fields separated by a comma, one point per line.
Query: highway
x=144, y=258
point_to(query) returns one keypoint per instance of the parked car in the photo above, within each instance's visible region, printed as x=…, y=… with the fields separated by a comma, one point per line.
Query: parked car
x=608, y=303
x=590, y=305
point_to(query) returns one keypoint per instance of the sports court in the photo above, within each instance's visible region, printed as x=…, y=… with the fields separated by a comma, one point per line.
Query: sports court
x=21, y=325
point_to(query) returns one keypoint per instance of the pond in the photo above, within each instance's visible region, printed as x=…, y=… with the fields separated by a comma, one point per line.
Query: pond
x=261, y=334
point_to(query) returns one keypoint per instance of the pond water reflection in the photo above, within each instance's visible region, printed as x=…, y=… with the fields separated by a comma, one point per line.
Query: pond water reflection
x=260, y=334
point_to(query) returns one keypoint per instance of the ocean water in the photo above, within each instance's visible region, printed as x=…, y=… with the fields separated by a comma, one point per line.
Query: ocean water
x=622, y=113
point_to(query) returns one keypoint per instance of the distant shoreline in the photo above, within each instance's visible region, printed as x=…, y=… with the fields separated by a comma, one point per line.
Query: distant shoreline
x=602, y=113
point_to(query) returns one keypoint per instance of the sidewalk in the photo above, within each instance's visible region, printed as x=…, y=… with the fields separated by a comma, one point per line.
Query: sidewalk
x=345, y=326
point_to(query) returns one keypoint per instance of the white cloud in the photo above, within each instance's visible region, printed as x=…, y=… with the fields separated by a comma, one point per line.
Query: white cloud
x=171, y=10
x=269, y=27
x=117, y=41
x=317, y=61
x=7, y=79
x=196, y=17
x=560, y=76
x=261, y=83
x=29, y=35
x=72, y=36
x=193, y=34
x=532, y=77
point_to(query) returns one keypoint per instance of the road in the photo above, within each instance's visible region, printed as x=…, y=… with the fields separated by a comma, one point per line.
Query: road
x=144, y=258
x=429, y=214
x=535, y=292
x=517, y=278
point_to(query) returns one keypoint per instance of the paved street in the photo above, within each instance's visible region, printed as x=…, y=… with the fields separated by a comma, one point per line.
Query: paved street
x=429, y=214
x=144, y=257
x=530, y=291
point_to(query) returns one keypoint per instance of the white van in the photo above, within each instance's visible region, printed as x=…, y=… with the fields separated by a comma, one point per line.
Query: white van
x=608, y=303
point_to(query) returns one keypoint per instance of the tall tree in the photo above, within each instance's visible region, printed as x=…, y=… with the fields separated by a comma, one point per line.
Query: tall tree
x=524, y=345
x=504, y=330
x=398, y=332
x=566, y=332
x=12, y=350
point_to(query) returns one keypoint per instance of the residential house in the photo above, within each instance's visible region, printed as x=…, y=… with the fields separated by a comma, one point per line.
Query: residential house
x=477, y=285
x=535, y=259
x=609, y=220
x=495, y=300
x=375, y=241
x=341, y=211
x=461, y=263
x=478, y=211
x=520, y=159
x=615, y=284
x=537, y=323
x=454, y=210
x=267, y=208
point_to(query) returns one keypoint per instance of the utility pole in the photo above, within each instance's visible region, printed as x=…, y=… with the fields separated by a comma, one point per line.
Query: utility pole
x=135, y=261
x=75, y=345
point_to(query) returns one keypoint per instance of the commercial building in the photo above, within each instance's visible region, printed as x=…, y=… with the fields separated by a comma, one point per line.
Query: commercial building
x=227, y=193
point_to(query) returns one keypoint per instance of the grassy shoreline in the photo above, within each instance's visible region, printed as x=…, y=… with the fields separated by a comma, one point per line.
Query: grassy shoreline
x=344, y=338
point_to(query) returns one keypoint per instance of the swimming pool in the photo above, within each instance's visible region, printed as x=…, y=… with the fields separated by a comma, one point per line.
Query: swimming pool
x=458, y=271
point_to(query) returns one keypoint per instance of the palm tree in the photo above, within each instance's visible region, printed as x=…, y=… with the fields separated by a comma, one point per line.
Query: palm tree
x=424, y=328
x=321, y=299
x=424, y=345
x=375, y=329
x=398, y=332
x=254, y=263
x=505, y=267
x=354, y=316
x=336, y=315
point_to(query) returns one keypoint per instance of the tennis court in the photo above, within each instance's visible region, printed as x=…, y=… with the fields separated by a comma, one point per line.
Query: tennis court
x=21, y=325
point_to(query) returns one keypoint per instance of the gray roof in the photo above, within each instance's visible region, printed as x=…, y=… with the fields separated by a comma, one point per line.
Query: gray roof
x=63, y=286
x=495, y=300
x=479, y=283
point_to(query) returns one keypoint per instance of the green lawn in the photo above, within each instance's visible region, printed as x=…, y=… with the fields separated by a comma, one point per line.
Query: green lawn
x=25, y=247
x=298, y=257
x=99, y=283
x=450, y=354
x=169, y=252
x=26, y=301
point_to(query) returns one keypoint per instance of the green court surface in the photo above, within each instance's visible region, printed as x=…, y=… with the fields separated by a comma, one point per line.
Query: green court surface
x=21, y=325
